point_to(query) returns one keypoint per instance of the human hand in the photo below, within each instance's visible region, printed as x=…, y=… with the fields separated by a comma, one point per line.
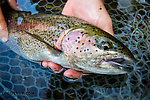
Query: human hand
x=3, y=25
x=92, y=11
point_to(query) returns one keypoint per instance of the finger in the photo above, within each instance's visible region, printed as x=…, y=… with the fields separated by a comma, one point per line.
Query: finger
x=3, y=28
x=70, y=73
x=53, y=66
x=45, y=63
x=13, y=4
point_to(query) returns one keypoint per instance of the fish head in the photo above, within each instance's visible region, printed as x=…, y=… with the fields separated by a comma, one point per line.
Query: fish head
x=112, y=56
x=101, y=53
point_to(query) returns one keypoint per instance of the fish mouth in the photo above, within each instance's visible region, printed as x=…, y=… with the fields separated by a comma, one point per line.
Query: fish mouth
x=113, y=65
x=120, y=63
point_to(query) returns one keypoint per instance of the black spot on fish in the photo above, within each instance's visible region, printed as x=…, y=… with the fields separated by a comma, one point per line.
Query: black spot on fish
x=100, y=8
x=55, y=39
x=89, y=40
x=87, y=49
x=74, y=52
x=96, y=50
x=95, y=39
x=94, y=44
x=94, y=28
x=75, y=40
x=84, y=50
x=90, y=53
x=77, y=48
x=80, y=51
x=78, y=41
x=68, y=38
x=78, y=37
x=57, y=35
x=82, y=43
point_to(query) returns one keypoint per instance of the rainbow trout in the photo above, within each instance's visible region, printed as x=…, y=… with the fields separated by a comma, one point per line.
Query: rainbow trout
x=70, y=42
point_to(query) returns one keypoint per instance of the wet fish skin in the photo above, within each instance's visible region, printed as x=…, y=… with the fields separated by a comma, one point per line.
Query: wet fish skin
x=70, y=42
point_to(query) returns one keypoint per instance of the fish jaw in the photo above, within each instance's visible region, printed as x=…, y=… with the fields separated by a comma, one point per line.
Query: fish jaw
x=113, y=66
x=102, y=65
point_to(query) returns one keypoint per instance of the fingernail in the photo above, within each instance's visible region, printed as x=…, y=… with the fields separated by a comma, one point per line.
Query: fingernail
x=4, y=39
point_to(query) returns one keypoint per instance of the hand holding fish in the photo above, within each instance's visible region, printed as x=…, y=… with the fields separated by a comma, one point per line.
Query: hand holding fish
x=92, y=11
x=82, y=46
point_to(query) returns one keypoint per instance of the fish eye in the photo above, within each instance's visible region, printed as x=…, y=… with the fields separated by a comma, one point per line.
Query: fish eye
x=106, y=45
